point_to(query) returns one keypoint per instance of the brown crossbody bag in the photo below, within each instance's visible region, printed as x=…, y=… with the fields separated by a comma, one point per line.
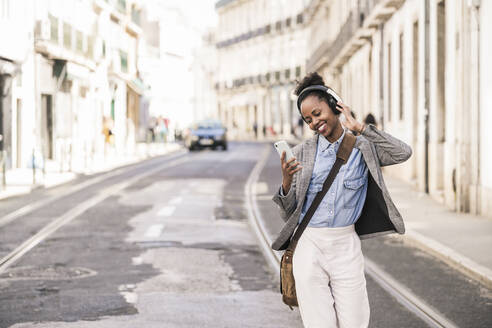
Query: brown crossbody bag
x=287, y=283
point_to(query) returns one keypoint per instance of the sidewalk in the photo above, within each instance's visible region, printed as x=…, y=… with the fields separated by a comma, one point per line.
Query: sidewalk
x=464, y=241
x=20, y=181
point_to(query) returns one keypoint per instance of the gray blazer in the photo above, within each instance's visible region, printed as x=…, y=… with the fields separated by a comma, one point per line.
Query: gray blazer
x=379, y=214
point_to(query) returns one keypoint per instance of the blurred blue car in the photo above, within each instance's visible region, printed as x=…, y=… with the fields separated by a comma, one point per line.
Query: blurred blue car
x=207, y=133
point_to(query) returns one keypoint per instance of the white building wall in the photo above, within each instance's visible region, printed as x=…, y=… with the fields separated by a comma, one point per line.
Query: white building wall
x=16, y=24
x=485, y=106
x=458, y=97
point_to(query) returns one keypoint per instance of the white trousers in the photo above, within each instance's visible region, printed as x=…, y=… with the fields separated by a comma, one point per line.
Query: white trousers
x=329, y=275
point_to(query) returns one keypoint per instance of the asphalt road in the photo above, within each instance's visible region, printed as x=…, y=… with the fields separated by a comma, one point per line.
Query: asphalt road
x=167, y=243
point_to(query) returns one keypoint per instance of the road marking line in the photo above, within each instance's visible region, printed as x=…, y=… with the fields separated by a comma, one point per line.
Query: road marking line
x=166, y=211
x=154, y=231
x=137, y=260
x=264, y=197
x=261, y=187
x=130, y=297
x=176, y=200
x=254, y=214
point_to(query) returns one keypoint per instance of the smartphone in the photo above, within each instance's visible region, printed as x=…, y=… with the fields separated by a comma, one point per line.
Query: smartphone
x=282, y=146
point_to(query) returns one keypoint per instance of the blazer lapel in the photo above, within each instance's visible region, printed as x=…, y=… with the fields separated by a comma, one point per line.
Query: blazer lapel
x=308, y=158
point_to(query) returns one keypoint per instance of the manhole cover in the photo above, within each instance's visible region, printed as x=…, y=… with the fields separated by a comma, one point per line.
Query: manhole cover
x=56, y=272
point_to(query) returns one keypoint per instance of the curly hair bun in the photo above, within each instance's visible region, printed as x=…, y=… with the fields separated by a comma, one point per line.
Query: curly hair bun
x=311, y=79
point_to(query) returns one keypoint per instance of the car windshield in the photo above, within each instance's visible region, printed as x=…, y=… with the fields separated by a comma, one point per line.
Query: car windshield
x=208, y=125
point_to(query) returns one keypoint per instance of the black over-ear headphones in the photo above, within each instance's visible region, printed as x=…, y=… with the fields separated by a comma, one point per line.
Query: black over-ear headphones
x=332, y=98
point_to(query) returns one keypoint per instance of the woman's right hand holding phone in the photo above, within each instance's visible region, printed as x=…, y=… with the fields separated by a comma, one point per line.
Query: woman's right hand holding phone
x=288, y=169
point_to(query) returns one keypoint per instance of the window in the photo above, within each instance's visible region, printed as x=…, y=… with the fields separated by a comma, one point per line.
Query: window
x=18, y=79
x=90, y=47
x=277, y=76
x=300, y=19
x=278, y=26
x=298, y=71
x=135, y=16
x=5, y=9
x=124, y=61
x=67, y=36
x=53, y=28
x=287, y=74
x=79, y=42
x=121, y=6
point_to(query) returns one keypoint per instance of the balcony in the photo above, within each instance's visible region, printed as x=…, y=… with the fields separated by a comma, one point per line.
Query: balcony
x=58, y=40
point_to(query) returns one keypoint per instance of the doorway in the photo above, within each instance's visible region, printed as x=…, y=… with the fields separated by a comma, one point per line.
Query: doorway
x=415, y=95
x=47, y=125
x=18, y=148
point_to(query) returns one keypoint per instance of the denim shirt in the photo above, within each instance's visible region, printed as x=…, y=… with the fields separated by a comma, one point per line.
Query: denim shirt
x=343, y=203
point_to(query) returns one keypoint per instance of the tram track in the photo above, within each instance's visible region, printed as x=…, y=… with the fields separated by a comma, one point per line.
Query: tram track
x=55, y=224
x=26, y=209
x=431, y=316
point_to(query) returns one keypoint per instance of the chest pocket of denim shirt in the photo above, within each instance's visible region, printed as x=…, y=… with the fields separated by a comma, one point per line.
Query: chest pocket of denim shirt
x=351, y=191
x=314, y=188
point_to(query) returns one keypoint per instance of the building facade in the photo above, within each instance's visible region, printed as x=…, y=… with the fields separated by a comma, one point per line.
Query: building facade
x=420, y=67
x=16, y=82
x=261, y=50
x=71, y=68
x=204, y=67
x=167, y=62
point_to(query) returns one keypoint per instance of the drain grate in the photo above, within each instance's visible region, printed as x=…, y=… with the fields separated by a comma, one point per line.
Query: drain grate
x=54, y=272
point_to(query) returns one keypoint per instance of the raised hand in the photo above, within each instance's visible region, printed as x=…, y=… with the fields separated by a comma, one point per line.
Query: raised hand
x=349, y=122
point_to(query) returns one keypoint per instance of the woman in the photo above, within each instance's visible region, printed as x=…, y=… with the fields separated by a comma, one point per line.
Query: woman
x=328, y=262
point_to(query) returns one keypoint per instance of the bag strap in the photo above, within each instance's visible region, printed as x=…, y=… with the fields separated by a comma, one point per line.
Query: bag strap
x=343, y=154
